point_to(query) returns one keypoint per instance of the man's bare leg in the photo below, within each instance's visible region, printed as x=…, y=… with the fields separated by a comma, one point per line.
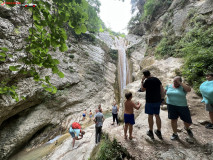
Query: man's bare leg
x=150, y=121
x=187, y=125
x=73, y=142
x=158, y=122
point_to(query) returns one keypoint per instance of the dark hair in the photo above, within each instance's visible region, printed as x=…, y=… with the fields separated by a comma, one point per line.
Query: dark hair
x=146, y=73
x=128, y=95
x=209, y=74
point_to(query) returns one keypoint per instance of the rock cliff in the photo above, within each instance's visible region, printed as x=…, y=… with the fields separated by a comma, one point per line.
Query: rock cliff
x=90, y=74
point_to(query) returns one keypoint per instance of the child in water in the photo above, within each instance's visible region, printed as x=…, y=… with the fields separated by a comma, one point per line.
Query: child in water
x=90, y=115
x=84, y=114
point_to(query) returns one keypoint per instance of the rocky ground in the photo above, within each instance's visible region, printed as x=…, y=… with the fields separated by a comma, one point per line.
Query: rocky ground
x=142, y=147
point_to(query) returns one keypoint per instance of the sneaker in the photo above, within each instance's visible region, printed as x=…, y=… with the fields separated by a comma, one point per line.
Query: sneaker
x=174, y=137
x=158, y=133
x=150, y=134
x=209, y=126
x=189, y=132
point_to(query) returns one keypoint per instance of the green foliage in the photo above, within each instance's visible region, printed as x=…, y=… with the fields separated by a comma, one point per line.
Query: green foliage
x=48, y=34
x=151, y=6
x=134, y=21
x=168, y=46
x=94, y=22
x=113, y=33
x=113, y=54
x=9, y=91
x=197, y=49
x=110, y=150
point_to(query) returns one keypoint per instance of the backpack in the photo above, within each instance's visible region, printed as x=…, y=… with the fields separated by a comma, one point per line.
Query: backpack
x=76, y=125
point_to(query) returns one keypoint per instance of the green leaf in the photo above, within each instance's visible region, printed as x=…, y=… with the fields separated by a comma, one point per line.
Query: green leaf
x=55, y=70
x=4, y=49
x=54, y=89
x=10, y=55
x=13, y=68
x=2, y=54
x=48, y=89
x=2, y=59
x=61, y=74
x=63, y=47
x=55, y=61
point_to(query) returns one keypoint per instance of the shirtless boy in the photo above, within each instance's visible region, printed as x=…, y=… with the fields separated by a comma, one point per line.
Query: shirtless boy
x=129, y=115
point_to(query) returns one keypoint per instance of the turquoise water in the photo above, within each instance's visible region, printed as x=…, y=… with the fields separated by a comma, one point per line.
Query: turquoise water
x=107, y=115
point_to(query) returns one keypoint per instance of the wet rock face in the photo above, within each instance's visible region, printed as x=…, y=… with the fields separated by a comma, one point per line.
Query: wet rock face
x=89, y=79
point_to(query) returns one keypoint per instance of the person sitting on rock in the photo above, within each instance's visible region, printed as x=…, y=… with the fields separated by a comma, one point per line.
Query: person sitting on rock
x=75, y=131
x=129, y=119
x=206, y=89
x=177, y=106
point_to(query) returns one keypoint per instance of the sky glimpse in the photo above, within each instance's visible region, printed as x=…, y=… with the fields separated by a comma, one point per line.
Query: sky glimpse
x=116, y=14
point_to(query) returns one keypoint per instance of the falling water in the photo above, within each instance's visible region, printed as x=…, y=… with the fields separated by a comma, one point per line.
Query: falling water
x=124, y=73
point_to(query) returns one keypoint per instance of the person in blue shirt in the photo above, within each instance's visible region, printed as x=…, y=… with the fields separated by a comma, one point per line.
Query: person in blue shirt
x=99, y=119
x=76, y=131
x=206, y=89
x=115, y=109
x=177, y=106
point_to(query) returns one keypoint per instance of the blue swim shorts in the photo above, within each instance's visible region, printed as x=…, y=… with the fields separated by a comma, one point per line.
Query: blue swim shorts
x=129, y=118
x=152, y=108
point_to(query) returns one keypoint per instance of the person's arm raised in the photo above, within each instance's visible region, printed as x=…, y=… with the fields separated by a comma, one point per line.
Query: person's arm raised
x=136, y=106
x=142, y=82
x=185, y=87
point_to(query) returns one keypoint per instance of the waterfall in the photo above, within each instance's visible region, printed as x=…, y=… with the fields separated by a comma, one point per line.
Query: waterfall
x=123, y=69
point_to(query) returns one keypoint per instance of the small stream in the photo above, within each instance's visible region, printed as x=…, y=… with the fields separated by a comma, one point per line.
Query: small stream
x=47, y=148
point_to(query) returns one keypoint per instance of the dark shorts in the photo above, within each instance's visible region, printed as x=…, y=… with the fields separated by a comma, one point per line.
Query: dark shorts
x=152, y=108
x=129, y=118
x=84, y=115
x=72, y=134
x=179, y=111
x=209, y=107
